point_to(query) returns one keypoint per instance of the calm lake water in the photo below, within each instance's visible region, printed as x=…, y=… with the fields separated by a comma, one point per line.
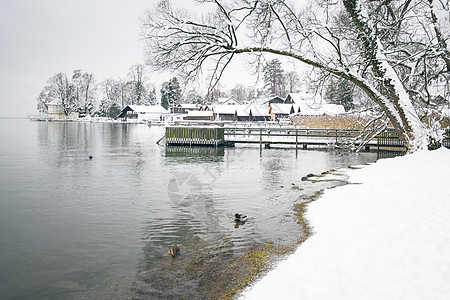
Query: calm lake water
x=78, y=228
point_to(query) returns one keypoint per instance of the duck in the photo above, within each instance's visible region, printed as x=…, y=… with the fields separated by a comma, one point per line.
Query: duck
x=174, y=251
x=91, y=157
x=239, y=218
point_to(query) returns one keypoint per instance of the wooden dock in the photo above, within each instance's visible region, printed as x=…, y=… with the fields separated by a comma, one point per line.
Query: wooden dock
x=267, y=136
x=305, y=137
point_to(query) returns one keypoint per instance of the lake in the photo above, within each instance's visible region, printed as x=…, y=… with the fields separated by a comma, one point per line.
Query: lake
x=78, y=228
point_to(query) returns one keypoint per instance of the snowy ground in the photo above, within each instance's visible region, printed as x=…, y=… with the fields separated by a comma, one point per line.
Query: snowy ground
x=386, y=238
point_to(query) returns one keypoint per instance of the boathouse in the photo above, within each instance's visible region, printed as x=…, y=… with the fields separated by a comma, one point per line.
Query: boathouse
x=143, y=112
x=226, y=112
x=56, y=111
x=253, y=112
x=183, y=108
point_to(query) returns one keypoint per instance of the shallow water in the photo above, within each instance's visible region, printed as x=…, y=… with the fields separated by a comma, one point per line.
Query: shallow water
x=74, y=227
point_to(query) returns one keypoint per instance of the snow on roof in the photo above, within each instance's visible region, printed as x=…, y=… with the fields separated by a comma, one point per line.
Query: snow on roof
x=255, y=109
x=188, y=105
x=226, y=109
x=200, y=113
x=297, y=97
x=310, y=108
x=312, y=105
x=261, y=100
x=54, y=102
x=148, y=109
x=333, y=109
x=282, y=108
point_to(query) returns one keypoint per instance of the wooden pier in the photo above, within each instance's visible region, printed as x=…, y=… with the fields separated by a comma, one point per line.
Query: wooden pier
x=305, y=137
x=267, y=136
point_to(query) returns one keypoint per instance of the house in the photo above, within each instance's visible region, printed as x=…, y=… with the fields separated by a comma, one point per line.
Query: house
x=203, y=115
x=143, y=112
x=280, y=110
x=273, y=100
x=226, y=112
x=183, y=108
x=205, y=107
x=253, y=112
x=56, y=111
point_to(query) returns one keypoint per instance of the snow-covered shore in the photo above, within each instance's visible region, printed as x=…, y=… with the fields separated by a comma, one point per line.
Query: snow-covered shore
x=387, y=236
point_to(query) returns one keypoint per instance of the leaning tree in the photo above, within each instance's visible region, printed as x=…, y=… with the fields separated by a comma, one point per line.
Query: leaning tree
x=395, y=52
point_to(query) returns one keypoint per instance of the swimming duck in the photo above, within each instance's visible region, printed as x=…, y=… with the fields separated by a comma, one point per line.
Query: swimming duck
x=239, y=218
x=175, y=250
x=91, y=157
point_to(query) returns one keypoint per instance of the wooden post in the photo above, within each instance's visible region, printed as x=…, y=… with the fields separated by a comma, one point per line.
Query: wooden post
x=260, y=138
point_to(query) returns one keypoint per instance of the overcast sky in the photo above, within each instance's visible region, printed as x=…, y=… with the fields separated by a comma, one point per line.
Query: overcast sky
x=42, y=38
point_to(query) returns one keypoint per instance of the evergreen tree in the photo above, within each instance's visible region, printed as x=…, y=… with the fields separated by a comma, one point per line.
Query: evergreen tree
x=151, y=98
x=274, y=78
x=170, y=93
x=340, y=92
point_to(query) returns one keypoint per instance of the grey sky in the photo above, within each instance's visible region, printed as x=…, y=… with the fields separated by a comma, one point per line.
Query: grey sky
x=41, y=38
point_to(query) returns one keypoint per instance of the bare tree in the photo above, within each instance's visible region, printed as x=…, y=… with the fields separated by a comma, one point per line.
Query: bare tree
x=112, y=97
x=241, y=93
x=390, y=50
x=136, y=78
x=60, y=90
x=84, y=89
x=292, y=81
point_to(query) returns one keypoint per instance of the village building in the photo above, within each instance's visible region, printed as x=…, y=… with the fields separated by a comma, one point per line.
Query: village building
x=282, y=110
x=183, y=108
x=274, y=100
x=253, y=112
x=56, y=111
x=266, y=100
x=143, y=113
x=199, y=115
x=226, y=112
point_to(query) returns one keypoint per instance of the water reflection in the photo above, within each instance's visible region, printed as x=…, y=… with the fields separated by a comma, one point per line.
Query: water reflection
x=389, y=154
x=195, y=151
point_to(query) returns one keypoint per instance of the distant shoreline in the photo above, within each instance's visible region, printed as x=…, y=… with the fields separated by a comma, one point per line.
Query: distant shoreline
x=13, y=118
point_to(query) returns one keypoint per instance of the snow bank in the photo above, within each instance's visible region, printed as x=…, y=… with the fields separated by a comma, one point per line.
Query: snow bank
x=386, y=238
